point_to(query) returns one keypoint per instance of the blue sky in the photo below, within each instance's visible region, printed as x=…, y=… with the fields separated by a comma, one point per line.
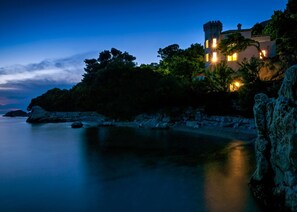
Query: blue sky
x=34, y=32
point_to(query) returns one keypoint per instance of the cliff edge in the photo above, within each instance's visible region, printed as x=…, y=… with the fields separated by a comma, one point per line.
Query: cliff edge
x=274, y=181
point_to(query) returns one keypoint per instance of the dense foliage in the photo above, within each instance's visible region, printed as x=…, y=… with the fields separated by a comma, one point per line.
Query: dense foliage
x=182, y=64
x=282, y=28
x=236, y=42
x=113, y=85
x=219, y=77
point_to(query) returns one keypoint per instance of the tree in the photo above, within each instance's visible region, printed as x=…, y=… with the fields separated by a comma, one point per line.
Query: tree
x=181, y=63
x=235, y=42
x=249, y=70
x=107, y=59
x=195, y=53
x=219, y=77
x=281, y=27
x=53, y=100
x=292, y=8
x=169, y=51
x=104, y=57
x=257, y=29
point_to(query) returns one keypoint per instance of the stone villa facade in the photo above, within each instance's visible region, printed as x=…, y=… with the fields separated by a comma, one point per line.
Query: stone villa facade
x=214, y=34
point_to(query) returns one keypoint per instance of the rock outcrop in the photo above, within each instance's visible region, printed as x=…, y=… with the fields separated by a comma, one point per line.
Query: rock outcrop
x=155, y=121
x=16, y=113
x=39, y=115
x=275, y=177
x=194, y=119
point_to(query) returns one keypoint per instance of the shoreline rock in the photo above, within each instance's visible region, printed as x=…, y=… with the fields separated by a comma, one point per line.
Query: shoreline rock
x=274, y=182
x=189, y=120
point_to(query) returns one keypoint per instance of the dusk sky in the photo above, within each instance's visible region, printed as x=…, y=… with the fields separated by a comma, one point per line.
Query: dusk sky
x=43, y=43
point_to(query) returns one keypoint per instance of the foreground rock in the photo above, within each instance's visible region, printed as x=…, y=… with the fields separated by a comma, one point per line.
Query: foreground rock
x=16, y=113
x=275, y=179
x=190, y=119
x=77, y=124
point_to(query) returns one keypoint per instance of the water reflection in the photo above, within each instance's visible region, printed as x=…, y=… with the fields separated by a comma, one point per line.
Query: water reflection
x=226, y=180
x=52, y=167
x=136, y=169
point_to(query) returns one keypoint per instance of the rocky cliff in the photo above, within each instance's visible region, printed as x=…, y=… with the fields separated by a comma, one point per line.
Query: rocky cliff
x=275, y=179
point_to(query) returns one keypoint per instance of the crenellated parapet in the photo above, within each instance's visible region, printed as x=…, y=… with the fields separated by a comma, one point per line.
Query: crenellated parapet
x=213, y=24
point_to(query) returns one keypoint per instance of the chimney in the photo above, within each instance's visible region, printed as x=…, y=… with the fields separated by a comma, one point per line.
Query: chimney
x=239, y=26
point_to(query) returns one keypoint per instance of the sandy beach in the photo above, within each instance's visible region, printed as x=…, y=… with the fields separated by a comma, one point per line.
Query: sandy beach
x=224, y=132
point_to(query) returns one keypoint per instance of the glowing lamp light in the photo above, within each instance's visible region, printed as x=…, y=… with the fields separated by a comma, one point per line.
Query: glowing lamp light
x=264, y=52
x=234, y=86
x=237, y=84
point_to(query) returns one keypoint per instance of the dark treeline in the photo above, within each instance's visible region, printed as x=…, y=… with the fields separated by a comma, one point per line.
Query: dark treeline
x=115, y=86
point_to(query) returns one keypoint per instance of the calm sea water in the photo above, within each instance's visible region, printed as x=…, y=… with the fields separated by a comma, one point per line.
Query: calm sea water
x=51, y=167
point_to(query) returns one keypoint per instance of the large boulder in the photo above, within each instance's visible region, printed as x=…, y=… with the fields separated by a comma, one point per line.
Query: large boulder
x=37, y=114
x=276, y=144
x=77, y=124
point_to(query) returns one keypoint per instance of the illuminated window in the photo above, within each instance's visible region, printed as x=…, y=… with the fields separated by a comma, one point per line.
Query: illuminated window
x=206, y=44
x=214, y=43
x=207, y=57
x=232, y=57
x=214, y=57
x=264, y=52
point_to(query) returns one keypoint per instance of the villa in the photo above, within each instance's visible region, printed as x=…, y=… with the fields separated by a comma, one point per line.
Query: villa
x=214, y=34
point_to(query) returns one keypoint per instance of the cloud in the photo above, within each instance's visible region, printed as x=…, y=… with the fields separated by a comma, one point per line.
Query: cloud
x=26, y=75
x=66, y=70
x=8, y=88
x=20, y=83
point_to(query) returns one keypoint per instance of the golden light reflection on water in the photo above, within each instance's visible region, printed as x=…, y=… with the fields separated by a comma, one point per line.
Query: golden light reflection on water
x=224, y=180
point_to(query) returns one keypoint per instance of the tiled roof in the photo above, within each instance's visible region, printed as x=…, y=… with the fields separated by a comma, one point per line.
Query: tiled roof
x=235, y=30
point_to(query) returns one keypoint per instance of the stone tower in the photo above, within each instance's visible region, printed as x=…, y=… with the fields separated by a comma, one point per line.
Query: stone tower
x=212, y=32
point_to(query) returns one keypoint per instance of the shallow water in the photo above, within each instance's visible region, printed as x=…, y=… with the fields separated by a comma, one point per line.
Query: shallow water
x=51, y=167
